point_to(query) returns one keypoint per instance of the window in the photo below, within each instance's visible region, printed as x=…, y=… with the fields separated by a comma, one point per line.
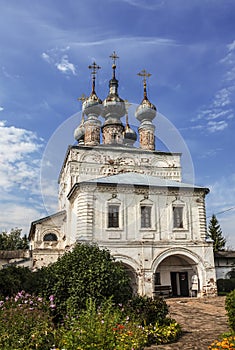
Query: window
x=50, y=237
x=178, y=217
x=145, y=216
x=113, y=215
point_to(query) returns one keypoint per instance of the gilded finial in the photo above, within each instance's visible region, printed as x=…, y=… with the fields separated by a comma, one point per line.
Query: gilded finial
x=82, y=98
x=114, y=58
x=145, y=75
x=94, y=68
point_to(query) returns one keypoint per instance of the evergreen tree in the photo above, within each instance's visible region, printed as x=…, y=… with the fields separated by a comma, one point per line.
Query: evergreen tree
x=215, y=233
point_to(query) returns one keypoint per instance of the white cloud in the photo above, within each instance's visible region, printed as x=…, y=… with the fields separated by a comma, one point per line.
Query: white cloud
x=65, y=66
x=46, y=57
x=147, y=5
x=53, y=57
x=18, y=149
x=231, y=46
x=1, y=108
x=213, y=126
x=18, y=215
x=222, y=105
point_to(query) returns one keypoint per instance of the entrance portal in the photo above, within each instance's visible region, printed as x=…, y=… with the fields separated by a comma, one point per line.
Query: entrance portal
x=175, y=274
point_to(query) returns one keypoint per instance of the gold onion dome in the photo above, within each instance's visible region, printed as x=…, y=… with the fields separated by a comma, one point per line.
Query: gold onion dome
x=146, y=110
x=130, y=135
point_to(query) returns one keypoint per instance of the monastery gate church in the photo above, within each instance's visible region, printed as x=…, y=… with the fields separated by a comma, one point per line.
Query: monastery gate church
x=130, y=200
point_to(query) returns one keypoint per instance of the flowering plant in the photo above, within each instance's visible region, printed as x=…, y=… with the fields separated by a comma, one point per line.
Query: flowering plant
x=26, y=323
x=225, y=343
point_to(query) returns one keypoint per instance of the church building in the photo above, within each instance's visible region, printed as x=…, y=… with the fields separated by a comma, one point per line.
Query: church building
x=130, y=200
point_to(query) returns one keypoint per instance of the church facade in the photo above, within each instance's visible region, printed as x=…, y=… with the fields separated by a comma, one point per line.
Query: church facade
x=130, y=200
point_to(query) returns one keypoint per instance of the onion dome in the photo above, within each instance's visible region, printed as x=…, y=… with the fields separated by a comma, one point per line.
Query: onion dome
x=130, y=135
x=79, y=132
x=113, y=105
x=146, y=110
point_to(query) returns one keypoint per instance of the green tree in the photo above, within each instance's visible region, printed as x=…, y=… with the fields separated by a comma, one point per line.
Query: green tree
x=215, y=233
x=13, y=240
x=85, y=272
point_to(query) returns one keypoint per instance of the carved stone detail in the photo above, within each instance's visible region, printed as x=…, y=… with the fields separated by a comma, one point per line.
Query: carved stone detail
x=112, y=134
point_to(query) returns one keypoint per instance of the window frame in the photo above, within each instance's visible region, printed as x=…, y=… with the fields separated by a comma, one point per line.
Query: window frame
x=112, y=221
x=52, y=234
x=180, y=210
x=146, y=216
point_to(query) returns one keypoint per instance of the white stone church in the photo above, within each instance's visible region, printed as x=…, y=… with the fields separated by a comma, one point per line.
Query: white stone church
x=130, y=200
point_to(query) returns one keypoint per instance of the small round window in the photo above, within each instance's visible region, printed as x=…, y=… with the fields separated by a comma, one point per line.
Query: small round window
x=50, y=237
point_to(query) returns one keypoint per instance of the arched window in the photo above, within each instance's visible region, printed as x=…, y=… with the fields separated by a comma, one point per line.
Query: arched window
x=50, y=237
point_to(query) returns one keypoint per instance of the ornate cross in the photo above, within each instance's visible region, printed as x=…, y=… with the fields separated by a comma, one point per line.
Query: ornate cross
x=114, y=57
x=82, y=98
x=145, y=75
x=94, y=68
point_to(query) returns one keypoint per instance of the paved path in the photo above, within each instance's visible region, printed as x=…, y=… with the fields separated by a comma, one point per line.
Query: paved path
x=202, y=320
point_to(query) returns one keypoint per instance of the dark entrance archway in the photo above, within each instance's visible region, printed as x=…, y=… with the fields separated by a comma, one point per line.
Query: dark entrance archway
x=174, y=276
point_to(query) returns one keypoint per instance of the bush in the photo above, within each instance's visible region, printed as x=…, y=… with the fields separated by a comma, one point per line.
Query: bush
x=225, y=343
x=230, y=308
x=106, y=328
x=26, y=323
x=148, y=310
x=13, y=279
x=166, y=332
x=86, y=272
x=225, y=285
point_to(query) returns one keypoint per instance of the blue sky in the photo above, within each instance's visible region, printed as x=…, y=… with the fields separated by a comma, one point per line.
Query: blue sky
x=46, y=46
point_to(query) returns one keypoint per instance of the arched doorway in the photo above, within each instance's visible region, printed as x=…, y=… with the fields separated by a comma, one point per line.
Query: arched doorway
x=175, y=275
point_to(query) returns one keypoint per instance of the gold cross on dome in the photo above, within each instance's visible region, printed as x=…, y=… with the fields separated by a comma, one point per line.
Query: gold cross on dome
x=82, y=98
x=114, y=57
x=144, y=74
x=94, y=68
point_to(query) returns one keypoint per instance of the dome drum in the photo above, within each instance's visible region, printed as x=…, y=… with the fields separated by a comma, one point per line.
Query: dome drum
x=147, y=137
x=92, y=132
x=112, y=134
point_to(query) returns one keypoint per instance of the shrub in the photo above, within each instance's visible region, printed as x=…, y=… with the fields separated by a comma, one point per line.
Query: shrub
x=107, y=328
x=225, y=285
x=230, y=308
x=86, y=272
x=225, y=343
x=163, y=333
x=26, y=323
x=148, y=310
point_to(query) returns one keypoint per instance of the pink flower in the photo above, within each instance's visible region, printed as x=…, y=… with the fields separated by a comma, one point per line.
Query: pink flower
x=51, y=297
